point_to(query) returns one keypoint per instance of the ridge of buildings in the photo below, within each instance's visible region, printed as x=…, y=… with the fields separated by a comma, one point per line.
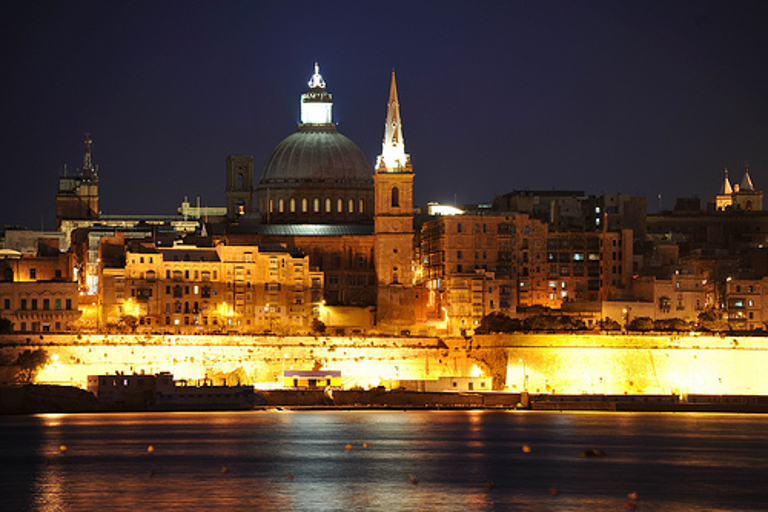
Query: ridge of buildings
x=323, y=238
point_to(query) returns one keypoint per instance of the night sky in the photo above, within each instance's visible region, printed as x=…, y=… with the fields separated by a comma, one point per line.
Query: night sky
x=643, y=98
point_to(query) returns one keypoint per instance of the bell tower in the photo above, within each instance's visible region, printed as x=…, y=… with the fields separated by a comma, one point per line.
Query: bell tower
x=239, y=185
x=393, y=221
x=78, y=196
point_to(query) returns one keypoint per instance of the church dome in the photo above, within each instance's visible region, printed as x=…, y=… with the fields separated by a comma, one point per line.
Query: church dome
x=317, y=154
x=316, y=175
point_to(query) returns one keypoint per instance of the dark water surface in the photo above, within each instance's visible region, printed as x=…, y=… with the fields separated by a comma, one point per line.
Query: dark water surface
x=441, y=460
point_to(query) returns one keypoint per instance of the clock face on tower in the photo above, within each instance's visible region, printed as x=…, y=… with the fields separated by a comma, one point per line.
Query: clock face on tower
x=394, y=225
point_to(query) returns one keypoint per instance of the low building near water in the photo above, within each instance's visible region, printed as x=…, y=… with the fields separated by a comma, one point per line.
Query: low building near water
x=161, y=392
x=312, y=379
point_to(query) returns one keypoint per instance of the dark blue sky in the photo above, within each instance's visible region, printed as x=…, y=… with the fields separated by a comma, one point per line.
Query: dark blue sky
x=643, y=98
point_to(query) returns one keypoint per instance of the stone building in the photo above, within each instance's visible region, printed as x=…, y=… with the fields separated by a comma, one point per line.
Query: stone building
x=473, y=265
x=318, y=195
x=191, y=289
x=38, y=293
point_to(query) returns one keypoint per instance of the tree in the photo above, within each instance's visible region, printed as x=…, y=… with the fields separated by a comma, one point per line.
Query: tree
x=28, y=364
x=498, y=322
x=671, y=324
x=318, y=326
x=552, y=323
x=609, y=324
x=712, y=320
x=640, y=323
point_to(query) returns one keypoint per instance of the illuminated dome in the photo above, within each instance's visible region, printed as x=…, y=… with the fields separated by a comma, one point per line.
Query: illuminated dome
x=316, y=175
x=317, y=153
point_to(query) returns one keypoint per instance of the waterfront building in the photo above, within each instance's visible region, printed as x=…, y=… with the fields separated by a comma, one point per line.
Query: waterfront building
x=319, y=196
x=190, y=289
x=38, y=293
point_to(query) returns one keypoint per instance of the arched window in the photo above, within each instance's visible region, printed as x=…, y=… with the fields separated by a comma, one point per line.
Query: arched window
x=361, y=205
x=239, y=181
x=292, y=205
x=316, y=205
x=351, y=206
x=271, y=205
x=281, y=205
x=394, y=275
x=327, y=205
x=340, y=205
x=304, y=205
x=395, y=197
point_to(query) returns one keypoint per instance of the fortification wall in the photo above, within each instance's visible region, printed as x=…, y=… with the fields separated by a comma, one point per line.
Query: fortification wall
x=364, y=362
x=584, y=363
x=626, y=364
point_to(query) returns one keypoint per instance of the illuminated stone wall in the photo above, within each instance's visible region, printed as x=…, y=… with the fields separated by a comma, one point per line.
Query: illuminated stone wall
x=626, y=364
x=552, y=363
x=364, y=362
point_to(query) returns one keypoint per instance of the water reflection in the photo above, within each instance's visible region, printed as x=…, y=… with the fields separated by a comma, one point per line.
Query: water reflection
x=460, y=461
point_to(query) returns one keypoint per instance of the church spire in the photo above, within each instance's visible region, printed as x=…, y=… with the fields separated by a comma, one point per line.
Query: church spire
x=89, y=171
x=726, y=188
x=746, y=182
x=393, y=157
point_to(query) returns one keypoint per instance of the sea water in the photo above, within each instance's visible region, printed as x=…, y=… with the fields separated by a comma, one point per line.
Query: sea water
x=384, y=460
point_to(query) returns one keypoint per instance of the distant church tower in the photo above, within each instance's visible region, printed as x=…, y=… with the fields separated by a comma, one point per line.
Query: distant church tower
x=239, y=185
x=393, y=221
x=78, y=196
x=741, y=196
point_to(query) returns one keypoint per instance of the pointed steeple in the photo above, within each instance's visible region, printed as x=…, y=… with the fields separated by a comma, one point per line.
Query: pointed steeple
x=726, y=189
x=746, y=182
x=393, y=157
x=89, y=171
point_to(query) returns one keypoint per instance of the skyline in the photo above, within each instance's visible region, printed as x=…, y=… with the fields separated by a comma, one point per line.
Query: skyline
x=642, y=99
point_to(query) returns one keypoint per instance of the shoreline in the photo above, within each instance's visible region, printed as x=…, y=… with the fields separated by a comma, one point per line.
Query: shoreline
x=42, y=399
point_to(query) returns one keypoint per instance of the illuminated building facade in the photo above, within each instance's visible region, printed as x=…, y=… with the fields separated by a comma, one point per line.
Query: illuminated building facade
x=473, y=265
x=587, y=266
x=189, y=289
x=38, y=293
x=746, y=303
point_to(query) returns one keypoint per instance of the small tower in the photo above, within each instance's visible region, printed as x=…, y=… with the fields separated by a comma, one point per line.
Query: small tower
x=745, y=197
x=239, y=185
x=393, y=221
x=78, y=196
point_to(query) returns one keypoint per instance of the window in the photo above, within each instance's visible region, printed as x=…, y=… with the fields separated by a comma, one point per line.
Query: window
x=68, y=303
x=46, y=304
x=340, y=205
x=34, y=304
x=327, y=205
x=304, y=205
x=351, y=206
x=281, y=205
x=23, y=304
x=33, y=273
x=395, y=197
x=360, y=205
x=316, y=205
x=292, y=205
x=458, y=227
x=6, y=303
